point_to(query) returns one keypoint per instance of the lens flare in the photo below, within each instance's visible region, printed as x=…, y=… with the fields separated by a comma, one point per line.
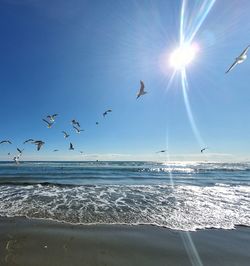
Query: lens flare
x=183, y=55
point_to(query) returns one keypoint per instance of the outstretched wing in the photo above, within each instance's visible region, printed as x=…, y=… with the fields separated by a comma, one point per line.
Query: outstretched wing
x=245, y=51
x=232, y=66
x=39, y=145
x=142, y=86
x=28, y=140
x=76, y=128
x=46, y=121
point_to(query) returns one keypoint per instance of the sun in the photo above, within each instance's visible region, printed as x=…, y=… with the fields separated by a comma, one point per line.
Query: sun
x=183, y=55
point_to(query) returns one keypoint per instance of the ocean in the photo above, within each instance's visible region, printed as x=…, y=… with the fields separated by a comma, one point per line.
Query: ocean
x=177, y=195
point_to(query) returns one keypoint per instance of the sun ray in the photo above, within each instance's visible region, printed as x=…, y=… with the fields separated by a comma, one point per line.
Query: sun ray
x=184, y=84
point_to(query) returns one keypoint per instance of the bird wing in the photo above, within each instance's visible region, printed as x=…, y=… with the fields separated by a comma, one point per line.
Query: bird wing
x=39, y=145
x=28, y=140
x=76, y=128
x=46, y=121
x=232, y=66
x=77, y=123
x=142, y=87
x=245, y=51
x=54, y=115
x=19, y=150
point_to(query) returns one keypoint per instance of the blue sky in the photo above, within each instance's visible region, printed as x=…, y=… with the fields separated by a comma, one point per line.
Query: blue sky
x=79, y=58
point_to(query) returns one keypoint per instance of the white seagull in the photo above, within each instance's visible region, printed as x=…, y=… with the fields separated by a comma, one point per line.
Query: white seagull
x=52, y=117
x=49, y=125
x=203, y=149
x=141, y=91
x=78, y=130
x=38, y=143
x=16, y=159
x=20, y=151
x=5, y=141
x=71, y=147
x=106, y=112
x=240, y=59
x=66, y=135
x=161, y=151
x=74, y=122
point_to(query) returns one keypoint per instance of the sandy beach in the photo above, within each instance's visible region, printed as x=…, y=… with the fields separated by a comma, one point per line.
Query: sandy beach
x=37, y=242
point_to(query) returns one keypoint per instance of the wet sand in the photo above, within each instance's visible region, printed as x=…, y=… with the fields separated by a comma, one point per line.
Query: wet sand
x=36, y=242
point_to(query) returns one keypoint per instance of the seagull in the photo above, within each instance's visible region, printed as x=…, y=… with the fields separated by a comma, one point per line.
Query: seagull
x=71, y=147
x=48, y=123
x=203, y=149
x=38, y=143
x=5, y=141
x=66, y=135
x=240, y=59
x=52, y=117
x=55, y=150
x=20, y=151
x=74, y=122
x=8, y=153
x=106, y=112
x=81, y=152
x=28, y=140
x=141, y=91
x=16, y=159
x=97, y=123
x=161, y=151
x=78, y=130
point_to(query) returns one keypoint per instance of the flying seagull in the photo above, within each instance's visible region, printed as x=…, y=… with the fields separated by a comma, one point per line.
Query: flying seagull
x=49, y=125
x=8, y=153
x=28, y=140
x=71, y=147
x=141, y=91
x=39, y=144
x=66, y=135
x=16, y=159
x=78, y=130
x=106, y=112
x=20, y=151
x=97, y=123
x=81, y=152
x=5, y=141
x=161, y=151
x=55, y=150
x=240, y=59
x=52, y=117
x=74, y=122
x=203, y=149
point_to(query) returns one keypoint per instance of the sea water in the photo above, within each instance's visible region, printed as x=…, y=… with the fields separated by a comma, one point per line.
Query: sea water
x=177, y=195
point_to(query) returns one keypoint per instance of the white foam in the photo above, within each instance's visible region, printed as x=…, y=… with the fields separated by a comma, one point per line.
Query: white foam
x=182, y=207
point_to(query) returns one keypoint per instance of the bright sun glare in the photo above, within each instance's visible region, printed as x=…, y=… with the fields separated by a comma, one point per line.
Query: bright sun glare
x=183, y=55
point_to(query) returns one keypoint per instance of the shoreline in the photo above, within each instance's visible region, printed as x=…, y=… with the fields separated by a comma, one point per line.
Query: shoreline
x=25, y=242
x=50, y=220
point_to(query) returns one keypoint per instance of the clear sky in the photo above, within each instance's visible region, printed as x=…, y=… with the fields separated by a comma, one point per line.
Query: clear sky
x=79, y=58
